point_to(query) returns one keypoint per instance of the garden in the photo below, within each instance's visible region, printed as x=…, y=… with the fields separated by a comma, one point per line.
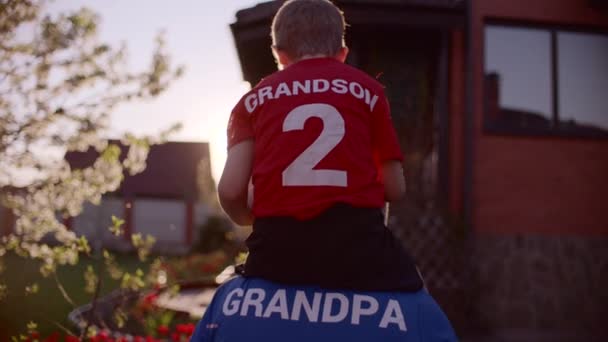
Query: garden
x=39, y=308
x=59, y=82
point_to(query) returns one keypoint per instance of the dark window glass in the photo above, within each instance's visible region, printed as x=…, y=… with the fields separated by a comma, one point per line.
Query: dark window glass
x=582, y=61
x=546, y=81
x=518, y=77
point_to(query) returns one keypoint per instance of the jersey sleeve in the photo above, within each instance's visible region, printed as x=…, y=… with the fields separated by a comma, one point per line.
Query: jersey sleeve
x=240, y=125
x=384, y=137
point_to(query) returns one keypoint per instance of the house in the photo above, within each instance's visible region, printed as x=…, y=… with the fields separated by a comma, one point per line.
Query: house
x=169, y=200
x=502, y=113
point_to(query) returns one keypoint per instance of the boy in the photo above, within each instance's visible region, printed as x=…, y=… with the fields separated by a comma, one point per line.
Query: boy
x=317, y=141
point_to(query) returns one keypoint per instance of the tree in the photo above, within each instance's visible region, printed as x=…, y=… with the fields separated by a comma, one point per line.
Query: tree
x=58, y=85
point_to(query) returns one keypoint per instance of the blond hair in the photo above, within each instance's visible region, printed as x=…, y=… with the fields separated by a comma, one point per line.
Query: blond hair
x=308, y=28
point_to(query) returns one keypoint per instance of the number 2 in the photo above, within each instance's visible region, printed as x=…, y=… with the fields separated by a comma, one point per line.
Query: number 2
x=300, y=172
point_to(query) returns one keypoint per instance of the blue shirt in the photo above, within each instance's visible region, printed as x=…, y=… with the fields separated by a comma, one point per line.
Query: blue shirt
x=251, y=309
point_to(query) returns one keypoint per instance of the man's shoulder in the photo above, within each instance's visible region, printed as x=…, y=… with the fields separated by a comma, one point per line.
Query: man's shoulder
x=248, y=283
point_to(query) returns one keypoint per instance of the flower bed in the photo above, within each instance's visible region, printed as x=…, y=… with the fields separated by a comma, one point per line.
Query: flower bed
x=164, y=312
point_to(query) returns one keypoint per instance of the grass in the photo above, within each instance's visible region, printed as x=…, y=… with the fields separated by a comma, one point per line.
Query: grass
x=48, y=305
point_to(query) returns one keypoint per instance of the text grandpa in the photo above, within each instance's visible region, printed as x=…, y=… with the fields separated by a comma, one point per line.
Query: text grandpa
x=320, y=307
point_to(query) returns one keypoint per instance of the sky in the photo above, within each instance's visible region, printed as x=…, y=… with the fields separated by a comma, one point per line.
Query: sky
x=198, y=37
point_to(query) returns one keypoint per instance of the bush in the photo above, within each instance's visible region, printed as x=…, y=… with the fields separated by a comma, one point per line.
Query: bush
x=215, y=234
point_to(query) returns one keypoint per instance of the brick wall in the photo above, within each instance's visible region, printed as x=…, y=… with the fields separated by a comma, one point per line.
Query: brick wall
x=536, y=184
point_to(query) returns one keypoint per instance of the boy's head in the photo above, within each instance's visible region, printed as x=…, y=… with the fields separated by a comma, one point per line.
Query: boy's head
x=308, y=28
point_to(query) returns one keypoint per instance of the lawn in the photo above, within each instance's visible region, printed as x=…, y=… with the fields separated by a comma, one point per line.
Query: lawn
x=48, y=305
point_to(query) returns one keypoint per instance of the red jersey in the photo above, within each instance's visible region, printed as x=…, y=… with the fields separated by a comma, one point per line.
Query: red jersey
x=321, y=130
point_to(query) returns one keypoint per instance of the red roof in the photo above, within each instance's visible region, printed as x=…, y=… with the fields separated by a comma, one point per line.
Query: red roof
x=171, y=172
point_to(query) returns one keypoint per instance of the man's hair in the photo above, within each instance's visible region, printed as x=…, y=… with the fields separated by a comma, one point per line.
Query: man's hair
x=308, y=27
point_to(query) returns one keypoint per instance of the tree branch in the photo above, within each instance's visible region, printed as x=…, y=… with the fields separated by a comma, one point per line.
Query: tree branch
x=63, y=291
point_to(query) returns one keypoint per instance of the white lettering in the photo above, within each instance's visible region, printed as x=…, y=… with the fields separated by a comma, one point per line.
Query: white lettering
x=231, y=306
x=297, y=86
x=320, y=86
x=311, y=310
x=359, y=310
x=256, y=302
x=251, y=101
x=367, y=96
x=328, y=317
x=393, y=314
x=373, y=104
x=282, y=89
x=339, y=86
x=336, y=307
x=263, y=93
x=278, y=304
x=355, y=89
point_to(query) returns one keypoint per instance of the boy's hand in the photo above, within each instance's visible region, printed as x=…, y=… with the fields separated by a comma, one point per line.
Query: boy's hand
x=250, y=196
x=394, y=182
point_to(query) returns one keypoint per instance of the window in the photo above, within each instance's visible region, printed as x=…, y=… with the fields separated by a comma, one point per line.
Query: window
x=545, y=81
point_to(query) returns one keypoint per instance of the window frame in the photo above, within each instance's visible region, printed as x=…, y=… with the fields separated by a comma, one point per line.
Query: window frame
x=555, y=130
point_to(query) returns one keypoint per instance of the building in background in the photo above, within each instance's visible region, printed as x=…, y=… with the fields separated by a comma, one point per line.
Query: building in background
x=170, y=200
x=502, y=113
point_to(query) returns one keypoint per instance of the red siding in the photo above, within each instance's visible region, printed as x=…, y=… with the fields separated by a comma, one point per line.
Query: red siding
x=545, y=185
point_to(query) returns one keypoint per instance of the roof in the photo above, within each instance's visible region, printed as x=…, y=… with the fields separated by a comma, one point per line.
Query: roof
x=173, y=170
x=267, y=9
x=251, y=30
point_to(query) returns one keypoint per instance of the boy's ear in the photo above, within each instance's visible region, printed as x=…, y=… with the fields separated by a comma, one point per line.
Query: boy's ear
x=342, y=54
x=282, y=58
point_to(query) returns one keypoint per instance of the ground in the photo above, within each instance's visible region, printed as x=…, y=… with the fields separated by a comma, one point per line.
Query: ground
x=47, y=307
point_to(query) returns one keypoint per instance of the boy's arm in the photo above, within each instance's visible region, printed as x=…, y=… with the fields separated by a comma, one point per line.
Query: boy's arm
x=394, y=182
x=233, y=185
x=387, y=152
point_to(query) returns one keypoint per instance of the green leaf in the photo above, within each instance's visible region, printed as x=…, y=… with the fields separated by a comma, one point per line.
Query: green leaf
x=90, y=279
x=111, y=153
x=116, y=228
x=32, y=326
x=120, y=317
x=32, y=289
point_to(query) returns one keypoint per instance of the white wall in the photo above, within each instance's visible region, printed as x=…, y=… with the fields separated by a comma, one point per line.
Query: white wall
x=163, y=219
x=94, y=221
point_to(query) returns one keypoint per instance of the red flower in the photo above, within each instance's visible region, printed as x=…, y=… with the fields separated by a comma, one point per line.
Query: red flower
x=138, y=339
x=175, y=337
x=71, y=338
x=162, y=330
x=102, y=336
x=151, y=298
x=34, y=335
x=186, y=329
x=54, y=337
x=150, y=339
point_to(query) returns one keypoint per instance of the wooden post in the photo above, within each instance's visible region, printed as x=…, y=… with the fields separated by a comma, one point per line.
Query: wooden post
x=189, y=222
x=128, y=217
